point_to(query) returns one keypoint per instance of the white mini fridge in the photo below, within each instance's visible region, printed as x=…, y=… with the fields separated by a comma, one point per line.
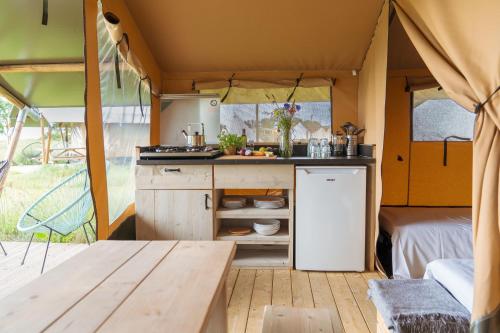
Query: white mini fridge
x=330, y=218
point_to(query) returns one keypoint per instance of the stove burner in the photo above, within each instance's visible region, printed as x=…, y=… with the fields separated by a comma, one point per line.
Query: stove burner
x=177, y=149
x=166, y=152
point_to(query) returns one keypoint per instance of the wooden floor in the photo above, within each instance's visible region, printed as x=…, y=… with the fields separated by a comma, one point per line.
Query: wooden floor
x=345, y=294
x=13, y=275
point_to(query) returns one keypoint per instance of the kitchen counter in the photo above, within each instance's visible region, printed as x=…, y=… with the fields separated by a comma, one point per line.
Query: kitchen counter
x=354, y=160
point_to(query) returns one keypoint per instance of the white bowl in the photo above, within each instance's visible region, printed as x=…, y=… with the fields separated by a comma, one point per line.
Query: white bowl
x=266, y=227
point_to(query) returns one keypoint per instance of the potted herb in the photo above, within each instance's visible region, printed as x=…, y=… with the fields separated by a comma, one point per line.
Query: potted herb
x=229, y=143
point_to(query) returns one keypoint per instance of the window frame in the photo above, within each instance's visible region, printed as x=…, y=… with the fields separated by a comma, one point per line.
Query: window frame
x=300, y=141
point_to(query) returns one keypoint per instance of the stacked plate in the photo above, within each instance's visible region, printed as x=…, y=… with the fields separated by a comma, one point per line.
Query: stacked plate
x=266, y=227
x=234, y=202
x=269, y=203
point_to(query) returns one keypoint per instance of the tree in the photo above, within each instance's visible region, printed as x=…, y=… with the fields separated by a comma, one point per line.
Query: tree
x=5, y=109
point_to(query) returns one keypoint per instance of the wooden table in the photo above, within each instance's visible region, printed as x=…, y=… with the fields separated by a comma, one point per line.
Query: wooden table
x=127, y=286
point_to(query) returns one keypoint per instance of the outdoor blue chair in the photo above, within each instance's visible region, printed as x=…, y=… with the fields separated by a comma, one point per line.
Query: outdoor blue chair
x=65, y=208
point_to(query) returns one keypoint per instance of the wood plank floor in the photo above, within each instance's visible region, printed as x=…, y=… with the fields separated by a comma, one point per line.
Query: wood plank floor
x=345, y=294
x=13, y=275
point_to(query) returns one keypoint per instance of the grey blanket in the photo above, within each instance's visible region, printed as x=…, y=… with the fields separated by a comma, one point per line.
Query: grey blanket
x=409, y=306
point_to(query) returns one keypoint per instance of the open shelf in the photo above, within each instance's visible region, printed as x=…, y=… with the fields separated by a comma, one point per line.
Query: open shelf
x=251, y=258
x=252, y=213
x=281, y=237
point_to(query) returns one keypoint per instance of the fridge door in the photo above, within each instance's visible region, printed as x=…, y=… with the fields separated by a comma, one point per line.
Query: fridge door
x=330, y=218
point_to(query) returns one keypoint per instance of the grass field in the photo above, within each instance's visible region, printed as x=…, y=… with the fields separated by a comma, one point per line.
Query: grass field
x=24, y=185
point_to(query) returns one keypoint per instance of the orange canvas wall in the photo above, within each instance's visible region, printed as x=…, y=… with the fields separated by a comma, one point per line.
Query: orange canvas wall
x=95, y=141
x=418, y=177
x=396, y=157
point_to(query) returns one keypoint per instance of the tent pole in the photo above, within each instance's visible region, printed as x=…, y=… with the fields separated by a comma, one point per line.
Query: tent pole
x=42, y=139
x=49, y=139
x=11, y=149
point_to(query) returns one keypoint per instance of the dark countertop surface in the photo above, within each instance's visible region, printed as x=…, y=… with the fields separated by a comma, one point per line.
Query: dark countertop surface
x=355, y=160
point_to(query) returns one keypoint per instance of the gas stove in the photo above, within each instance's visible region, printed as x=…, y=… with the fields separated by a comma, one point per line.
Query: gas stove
x=176, y=152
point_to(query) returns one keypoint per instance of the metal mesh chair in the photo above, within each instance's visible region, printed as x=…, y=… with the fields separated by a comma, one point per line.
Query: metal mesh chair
x=63, y=209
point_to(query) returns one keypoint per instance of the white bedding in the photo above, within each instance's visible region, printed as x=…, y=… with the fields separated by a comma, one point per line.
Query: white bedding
x=420, y=235
x=456, y=275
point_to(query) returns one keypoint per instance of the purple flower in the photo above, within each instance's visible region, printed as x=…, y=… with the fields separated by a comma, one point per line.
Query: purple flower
x=297, y=107
x=286, y=106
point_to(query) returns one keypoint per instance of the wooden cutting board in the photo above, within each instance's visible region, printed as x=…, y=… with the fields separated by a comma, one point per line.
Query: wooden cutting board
x=239, y=157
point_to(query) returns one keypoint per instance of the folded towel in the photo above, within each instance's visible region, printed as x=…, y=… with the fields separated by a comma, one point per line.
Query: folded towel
x=409, y=306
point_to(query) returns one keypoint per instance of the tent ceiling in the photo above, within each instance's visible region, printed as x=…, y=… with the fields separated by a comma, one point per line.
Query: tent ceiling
x=259, y=35
x=402, y=54
x=25, y=41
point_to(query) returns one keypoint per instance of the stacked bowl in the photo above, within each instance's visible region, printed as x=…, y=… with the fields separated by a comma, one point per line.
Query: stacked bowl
x=266, y=227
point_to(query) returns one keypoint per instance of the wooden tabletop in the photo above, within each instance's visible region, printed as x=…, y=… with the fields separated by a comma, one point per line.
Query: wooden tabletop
x=124, y=286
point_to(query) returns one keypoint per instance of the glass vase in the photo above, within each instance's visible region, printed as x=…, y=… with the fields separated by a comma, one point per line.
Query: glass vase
x=286, y=144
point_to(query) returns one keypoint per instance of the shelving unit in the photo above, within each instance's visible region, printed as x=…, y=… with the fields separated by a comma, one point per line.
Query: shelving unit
x=255, y=250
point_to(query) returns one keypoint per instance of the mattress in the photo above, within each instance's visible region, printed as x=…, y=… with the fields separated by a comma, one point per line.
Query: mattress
x=420, y=235
x=456, y=275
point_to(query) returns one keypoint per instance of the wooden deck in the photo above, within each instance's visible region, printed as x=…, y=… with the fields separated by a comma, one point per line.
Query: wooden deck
x=345, y=294
x=13, y=275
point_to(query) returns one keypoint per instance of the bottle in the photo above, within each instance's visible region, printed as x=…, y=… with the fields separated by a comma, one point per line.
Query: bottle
x=243, y=139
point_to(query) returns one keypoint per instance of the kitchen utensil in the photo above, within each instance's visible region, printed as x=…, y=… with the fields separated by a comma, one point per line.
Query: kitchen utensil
x=352, y=145
x=233, y=202
x=269, y=203
x=196, y=139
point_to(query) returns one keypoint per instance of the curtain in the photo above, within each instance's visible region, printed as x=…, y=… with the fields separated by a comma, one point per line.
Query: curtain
x=126, y=106
x=460, y=44
x=371, y=116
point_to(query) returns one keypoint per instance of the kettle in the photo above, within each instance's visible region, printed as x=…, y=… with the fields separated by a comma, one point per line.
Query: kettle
x=196, y=139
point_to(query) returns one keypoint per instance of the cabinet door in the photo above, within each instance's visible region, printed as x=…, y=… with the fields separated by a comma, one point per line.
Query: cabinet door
x=144, y=215
x=183, y=214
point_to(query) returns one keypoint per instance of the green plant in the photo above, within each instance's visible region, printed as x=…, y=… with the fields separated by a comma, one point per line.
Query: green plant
x=229, y=140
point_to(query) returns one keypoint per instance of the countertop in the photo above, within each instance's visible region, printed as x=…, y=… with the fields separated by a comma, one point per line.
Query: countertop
x=354, y=160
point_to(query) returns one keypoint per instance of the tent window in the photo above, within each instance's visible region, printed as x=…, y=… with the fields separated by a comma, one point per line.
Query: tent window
x=435, y=116
x=125, y=125
x=251, y=109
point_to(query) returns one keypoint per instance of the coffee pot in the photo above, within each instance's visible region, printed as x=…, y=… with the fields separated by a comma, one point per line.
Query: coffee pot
x=196, y=139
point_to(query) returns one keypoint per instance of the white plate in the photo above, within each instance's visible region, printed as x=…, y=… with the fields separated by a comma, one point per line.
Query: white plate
x=233, y=203
x=269, y=203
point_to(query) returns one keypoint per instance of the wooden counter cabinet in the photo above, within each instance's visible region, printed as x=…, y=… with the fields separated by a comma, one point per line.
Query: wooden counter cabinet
x=170, y=207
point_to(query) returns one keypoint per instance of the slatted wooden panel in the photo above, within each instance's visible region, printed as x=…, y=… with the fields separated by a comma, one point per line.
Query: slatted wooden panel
x=344, y=295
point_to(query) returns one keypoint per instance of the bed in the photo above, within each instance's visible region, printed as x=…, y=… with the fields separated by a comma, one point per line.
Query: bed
x=456, y=276
x=412, y=237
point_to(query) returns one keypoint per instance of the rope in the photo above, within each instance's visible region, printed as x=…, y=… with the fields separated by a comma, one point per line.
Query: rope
x=140, y=94
x=445, y=150
x=297, y=82
x=45, y=12
x=117, y=60
x=479, y=106
x=229, y=89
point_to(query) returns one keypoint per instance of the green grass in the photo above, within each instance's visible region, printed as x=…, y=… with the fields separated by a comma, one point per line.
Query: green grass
x=24, y=185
